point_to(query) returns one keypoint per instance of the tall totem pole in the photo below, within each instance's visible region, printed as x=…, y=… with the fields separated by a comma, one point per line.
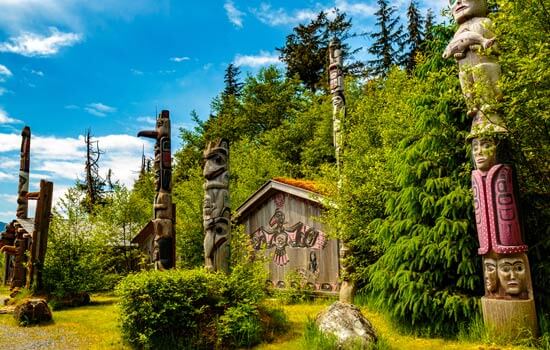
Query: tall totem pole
x=216, y=209
x=336, y=82
x=508, y=305
x=24, y=168
x=164, y=243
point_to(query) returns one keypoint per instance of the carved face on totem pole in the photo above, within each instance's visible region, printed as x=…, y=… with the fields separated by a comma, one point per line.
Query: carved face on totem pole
x=463, y=10
x=484, y=153
x=512, y=275
x=490, y=271
x=215, y=157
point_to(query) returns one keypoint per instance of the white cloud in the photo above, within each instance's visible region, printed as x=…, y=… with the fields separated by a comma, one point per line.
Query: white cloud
x=179, y=59
x=356, y=9
x=33, y=15
x=5, y=119
x=5, y=176
x=32, y=44
x=275, y=17
x=2, y=91
x=6, y=197
x=71, y=107
x=37, y=72
x=235, y=16
x=5, y=71
x=7, y=216
x=263, y=59
x=136, y=71
x=147, y=120
x=99, y=109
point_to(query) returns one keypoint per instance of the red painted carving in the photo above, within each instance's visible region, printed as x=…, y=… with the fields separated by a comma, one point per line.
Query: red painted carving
x=496, y=211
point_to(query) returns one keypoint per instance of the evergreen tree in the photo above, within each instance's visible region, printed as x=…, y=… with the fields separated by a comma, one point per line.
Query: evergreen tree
x=414, y=35
x=233, y=86
x=428, y=26
x=306, y=49
x=429, y=273
x=387, y=47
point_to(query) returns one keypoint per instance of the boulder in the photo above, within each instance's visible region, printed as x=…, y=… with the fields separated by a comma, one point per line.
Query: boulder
x=347, y=323
x=32, y=311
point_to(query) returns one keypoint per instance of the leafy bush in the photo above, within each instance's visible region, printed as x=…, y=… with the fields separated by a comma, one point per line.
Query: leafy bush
x=74, y=262
x=193, y=309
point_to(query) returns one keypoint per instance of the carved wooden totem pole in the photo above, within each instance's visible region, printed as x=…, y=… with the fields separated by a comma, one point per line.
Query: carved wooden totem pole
x=164, y=246
x=508, y=305
x=24, y=168
x=16, y=239
x=216, y=210
x=336, y=82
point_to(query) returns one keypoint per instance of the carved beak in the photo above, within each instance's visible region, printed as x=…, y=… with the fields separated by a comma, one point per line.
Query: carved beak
x=148, y=133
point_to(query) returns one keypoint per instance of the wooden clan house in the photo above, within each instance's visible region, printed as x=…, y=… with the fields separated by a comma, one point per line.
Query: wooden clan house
x=282, y=220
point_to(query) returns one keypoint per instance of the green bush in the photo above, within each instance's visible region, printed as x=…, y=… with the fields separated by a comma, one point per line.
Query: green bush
x=194, y=309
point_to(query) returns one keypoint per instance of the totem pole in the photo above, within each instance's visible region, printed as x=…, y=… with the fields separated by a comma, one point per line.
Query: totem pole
x=15, y=242
x=336, y=82
x=164, y=247
x=216, y=209
x=22, y=201
x=508, y=305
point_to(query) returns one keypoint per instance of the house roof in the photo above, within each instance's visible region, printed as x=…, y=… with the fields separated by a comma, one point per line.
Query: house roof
x=300, y=188
x=144, y=233
x=27, y=224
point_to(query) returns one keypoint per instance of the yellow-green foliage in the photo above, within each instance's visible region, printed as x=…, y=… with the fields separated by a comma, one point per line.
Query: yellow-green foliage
x=194, y=309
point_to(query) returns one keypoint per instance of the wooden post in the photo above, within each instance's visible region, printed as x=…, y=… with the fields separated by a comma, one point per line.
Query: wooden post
x=40, y=235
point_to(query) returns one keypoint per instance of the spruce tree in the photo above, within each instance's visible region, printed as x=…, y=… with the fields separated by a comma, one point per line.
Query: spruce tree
x=414, y=35
x=429, y=273
x=428, y=26
x=233, y=86
x=305, y=50
x=387, y=47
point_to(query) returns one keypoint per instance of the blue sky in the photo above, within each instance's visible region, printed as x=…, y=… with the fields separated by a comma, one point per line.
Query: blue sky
x=69, y=65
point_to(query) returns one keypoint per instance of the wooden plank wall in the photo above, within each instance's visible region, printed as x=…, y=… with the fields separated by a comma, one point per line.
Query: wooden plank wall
x=298, y=210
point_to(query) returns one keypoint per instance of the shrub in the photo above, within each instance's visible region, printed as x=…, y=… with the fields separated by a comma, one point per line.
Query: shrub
x=194, y=309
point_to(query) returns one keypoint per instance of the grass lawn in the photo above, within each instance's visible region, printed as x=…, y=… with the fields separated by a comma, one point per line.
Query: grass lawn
x=95, y=327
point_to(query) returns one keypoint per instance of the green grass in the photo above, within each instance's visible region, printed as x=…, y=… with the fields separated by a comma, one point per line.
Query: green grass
x=89, y=327
x=95, y=327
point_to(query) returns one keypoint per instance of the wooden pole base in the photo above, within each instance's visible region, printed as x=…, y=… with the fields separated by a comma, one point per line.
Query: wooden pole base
x=510, y=319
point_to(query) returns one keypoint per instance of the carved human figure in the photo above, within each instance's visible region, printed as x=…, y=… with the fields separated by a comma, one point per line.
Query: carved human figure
x=484, y=153
x=216, y=206
x=490, y=272
x=474, y=47
x=512, y=275
x=216, y=234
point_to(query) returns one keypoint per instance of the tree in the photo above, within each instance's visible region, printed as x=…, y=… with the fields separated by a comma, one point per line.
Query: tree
x=387, y=47
x=428, y=26
x=414, y=35
x=306, y=49
x=231, y=78
x=429, y=273
x=93, y=184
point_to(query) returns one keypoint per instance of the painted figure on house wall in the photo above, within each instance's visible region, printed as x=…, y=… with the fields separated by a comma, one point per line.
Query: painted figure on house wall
x=281, y=236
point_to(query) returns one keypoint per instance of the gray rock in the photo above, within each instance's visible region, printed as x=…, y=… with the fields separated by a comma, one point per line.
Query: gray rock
x=347, y=323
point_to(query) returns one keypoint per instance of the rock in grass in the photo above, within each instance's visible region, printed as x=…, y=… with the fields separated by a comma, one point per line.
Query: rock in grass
x=347, y=323
x=32, y=311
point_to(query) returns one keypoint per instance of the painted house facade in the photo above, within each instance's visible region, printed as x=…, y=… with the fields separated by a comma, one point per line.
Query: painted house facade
x=282, y=220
